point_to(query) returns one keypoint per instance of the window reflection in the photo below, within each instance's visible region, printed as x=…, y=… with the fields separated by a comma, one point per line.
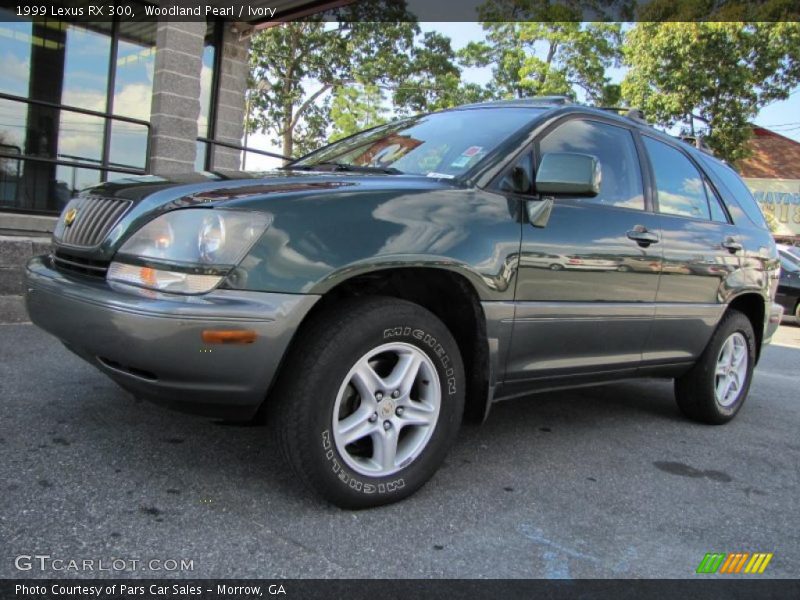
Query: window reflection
x=15, y=53
x=133, y=78
x=206, y=81
x=86, y=59
x=69, y=181
x=128, y=145
x=679, y=184
x=104, y=67
x=80, y=137
x=614, y=149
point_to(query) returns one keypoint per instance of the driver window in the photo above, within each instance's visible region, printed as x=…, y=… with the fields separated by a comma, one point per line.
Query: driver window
x=519, y=178
x=615, y=150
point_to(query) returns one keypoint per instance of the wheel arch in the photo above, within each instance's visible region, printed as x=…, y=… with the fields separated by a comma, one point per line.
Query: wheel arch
x=753, y=306
x=449, y=295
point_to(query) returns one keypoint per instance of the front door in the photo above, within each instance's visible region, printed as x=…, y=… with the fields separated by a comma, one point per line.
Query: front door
x=588, y=278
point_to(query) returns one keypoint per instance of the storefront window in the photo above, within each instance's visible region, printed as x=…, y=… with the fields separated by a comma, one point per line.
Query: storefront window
x=15, y=54
x=128, y=145
x=78, y=105
x=133, y=79
x=206, y=83
x=86, y=59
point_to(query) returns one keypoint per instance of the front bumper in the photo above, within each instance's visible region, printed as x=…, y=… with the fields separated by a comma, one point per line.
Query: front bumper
x=153, y=346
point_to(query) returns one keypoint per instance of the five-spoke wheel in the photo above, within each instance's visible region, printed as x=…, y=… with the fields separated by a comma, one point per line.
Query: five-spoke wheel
x=716, y=386
x=386, y=409
x=371, y=400
x=731, y=371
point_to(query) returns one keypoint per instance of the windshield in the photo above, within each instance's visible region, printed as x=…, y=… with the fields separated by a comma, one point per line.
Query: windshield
x=443, y=144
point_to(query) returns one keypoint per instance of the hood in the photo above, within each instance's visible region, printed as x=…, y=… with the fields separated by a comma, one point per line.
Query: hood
x=142, y=198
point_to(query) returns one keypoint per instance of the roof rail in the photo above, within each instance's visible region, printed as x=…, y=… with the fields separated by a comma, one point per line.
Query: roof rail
x=532, y=101
x=635, y=114
x=550, y=99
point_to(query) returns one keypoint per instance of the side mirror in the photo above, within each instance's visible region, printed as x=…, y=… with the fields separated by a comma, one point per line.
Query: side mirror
x=565, y=173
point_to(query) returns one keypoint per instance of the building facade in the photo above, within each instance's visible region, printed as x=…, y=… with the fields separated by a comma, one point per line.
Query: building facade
x=85, y=102
x=773, y=174
x=82, y=103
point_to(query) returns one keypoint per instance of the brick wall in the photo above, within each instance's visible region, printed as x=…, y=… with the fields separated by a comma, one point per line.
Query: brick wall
x=176, y=96
x=773, y=156
x=231, y=101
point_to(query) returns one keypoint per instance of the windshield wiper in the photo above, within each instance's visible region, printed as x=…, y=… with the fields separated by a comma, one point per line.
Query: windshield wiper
x=337, y=166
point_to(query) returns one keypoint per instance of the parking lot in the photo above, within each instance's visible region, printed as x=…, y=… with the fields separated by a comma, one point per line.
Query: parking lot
x=599, y=482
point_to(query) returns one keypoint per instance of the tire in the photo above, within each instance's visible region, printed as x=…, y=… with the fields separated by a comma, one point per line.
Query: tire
x=325, y=374
x=701, y=392
x=797, y=313
x=556, y=267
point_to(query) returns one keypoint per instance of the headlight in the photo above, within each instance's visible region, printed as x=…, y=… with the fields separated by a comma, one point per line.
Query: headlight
x=187, y=251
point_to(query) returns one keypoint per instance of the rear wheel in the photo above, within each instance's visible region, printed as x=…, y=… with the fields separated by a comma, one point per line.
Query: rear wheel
x=715, y=388
x=370, y=401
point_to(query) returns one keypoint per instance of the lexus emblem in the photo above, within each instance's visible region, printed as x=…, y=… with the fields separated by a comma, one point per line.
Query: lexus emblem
x=69, y=218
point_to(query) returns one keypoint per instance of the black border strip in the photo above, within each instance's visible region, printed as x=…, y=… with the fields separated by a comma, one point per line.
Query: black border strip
x=246, y=11
x=733, y=587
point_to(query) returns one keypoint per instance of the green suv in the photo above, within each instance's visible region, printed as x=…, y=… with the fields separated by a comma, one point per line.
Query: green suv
x=367, y=297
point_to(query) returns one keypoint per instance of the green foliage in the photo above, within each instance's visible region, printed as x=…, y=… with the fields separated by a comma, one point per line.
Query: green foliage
x=720, y=73
x=545, y=50
x=355, y=108
x=302, y=71
x=314, y=79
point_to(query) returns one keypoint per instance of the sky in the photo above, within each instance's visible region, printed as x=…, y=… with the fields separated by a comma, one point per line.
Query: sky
x=782, y=116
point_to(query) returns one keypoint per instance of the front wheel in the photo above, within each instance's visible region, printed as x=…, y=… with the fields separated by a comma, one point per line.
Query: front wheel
x=715, y=388
x=370, y=401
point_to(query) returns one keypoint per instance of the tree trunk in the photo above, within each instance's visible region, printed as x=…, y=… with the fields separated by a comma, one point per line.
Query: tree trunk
x=288, y=143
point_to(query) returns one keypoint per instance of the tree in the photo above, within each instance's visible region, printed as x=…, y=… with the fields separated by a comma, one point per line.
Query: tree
x=544, y=49
x=371, y=44
x=718, y=74
x=355, y=108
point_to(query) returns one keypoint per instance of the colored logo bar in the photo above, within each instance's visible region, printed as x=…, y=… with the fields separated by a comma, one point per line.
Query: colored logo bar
x=734, y=563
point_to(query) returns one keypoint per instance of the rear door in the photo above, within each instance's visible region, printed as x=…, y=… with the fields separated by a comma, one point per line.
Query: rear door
x=587, y=280
x=702, y=249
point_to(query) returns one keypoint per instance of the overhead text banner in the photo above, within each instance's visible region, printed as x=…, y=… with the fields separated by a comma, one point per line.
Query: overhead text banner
x=259, y=12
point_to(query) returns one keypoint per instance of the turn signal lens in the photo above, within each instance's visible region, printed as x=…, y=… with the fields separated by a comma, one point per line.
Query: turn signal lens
x=161, y=280
x=223, y=336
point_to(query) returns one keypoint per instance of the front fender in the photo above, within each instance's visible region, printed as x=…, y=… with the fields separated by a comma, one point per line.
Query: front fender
x=317, y=242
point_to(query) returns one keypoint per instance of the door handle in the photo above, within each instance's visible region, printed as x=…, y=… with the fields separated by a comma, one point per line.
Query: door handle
x=641, y=236
x=731, y=245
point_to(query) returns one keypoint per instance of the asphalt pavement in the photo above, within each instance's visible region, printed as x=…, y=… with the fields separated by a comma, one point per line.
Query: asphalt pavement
x=600, y=482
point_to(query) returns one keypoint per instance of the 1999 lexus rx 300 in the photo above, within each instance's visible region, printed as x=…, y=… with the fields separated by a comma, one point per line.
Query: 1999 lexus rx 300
x=376, y=290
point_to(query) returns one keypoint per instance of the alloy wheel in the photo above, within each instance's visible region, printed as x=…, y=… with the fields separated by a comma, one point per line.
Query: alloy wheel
x=386, y=409
x=731, y=370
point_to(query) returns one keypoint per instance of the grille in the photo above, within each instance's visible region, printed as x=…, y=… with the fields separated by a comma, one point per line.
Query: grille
x=94, y=217
x=64, y=261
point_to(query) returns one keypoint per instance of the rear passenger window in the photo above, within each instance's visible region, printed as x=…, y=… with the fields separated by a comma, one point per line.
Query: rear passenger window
x=614, y=149
x=737, y=188
x=680, y=187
